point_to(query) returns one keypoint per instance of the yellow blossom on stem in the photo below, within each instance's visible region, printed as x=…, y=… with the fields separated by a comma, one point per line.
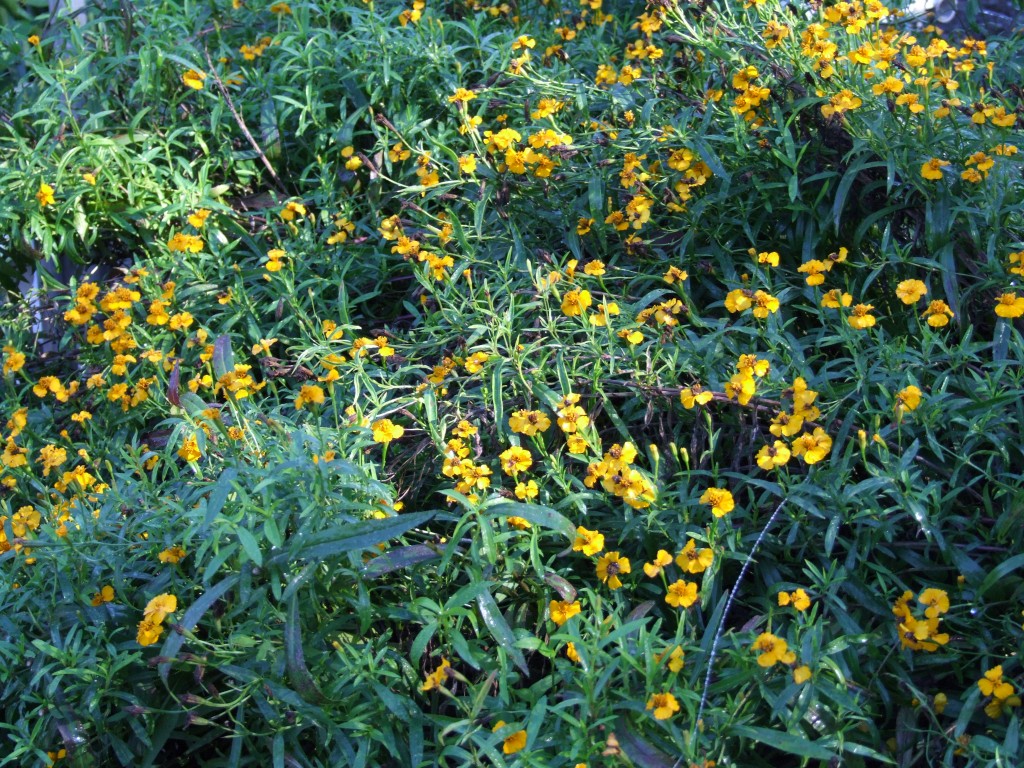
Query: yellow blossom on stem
x=514, y=742
x=932, y=170
x=1010, y=305
x=910, y=291
x=561, y=611
x=693, y=560
x=438, y=677
x=720, y=500
x=588, y=542
x=610, y=566
x=860, y=317
x=798, y=599
x=907, y=399
x=655, y=567
x=772, y=650
x=309, y=394
x=773, y=456
x=812, y=447
x=681, y=594
x=45, y=195
x=384, y=431
x=938, y=313
x=664, y=705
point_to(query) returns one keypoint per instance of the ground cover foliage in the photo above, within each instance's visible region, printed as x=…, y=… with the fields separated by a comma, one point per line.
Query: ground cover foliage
x=541, y=384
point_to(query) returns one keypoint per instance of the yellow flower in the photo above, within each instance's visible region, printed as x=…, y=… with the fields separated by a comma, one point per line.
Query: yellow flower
x=33, y=39
x=773, y=456
x=1010, y=305
x=662, y=559
x=693, y=560
x=910, y=291
x=695, y=395
x=861, y=317
x=664, y=705
x=588, y=542
x=575, y=302
x=576, y=444
x=45, y=195
x=198, y=218
x=14, y=360
x=182, y=243
x=797, y=599
x=281, y=9
x=194, y=79
x=738, y=300
x=309, y=394
x=561, y=611
x=292, y=209
x=940, y=702
x=932, y=170
x=529, y=423
x=938, y=313
x=467, y=164
x=515, y=460
x=160, y=607
x=801, y=674
x=571, y=653
x=907, y=399
x=675, y=274
x=835, y=299
x=937, y=601
x=610, y=566
x=384, y=431
x=526, y=491
x=149, y=632
x=438, y=677
x=172, y=555
x=105, y=595
x=772, y=650
x=812, y=447
x=681, y=594
x=189, y=450
x=583, y=226
x=594, y=268
x=514, y=742
x=992, y=684
x=675, y=659
x=720, y=500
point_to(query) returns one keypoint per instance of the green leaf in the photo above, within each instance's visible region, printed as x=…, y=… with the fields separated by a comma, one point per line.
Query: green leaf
x=500, y=630
x=537, y=514
x=639, y=751
x=352, y=537
x=223, y=356
x=250, y=546
x=1000, y=572
x=298, y=674
x=398, y=558
x=786, y=742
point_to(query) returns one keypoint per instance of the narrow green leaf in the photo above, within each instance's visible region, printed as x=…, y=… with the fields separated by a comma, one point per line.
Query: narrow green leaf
x=223, y=356
x=537, y=514
x=295, y=660
x=786, y=742
x=500, y=630
x=351, y=537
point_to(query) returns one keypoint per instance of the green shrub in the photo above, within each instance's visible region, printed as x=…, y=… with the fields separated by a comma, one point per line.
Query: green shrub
x=668, y=413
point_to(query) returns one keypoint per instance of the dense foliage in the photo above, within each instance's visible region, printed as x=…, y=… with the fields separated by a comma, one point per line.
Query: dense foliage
x=542, y=383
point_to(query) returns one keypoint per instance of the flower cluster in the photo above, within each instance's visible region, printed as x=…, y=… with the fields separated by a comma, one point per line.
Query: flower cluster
x=922, y=634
